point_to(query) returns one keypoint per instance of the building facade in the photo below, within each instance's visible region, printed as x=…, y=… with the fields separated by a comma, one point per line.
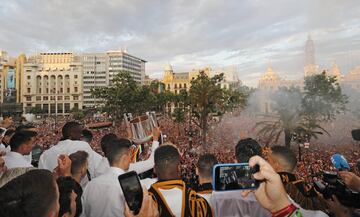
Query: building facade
x=4, y=63
x=99, y=70
x=95, y=75
x=53, y=83
x=120, y=61
x=310, y=67
x=175, y=82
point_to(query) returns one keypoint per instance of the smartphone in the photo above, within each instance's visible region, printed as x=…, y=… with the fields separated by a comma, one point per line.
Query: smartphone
x=227, y=177
x=132, y=190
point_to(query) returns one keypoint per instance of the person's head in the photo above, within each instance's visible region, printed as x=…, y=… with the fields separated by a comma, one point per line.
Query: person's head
x=204, y=167
x=72, y=130
x=33, y=194
x=26, y=127
x=247, y=148
x=118, y=153
x=282, y=159
x=167, y=163
x=87, y=135
x=69, y=197
x=7, y=136
x=105, y=141
x=22, y=142
x=79, y=163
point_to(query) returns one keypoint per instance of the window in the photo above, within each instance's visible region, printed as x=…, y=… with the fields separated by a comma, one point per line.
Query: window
x=76, y=98
x=39, y=90
x=180, y=86
x=45, y=98
x=67, y=97
x=61, y=90
x=68, y=90
x=28, y=90
x=76, y=89
x=175, y=86
x=28, y=77
x=184, y=85
x=59, y=97
x=67, y=107
x=28, y=98
x=52, y=97
x=75, y=76
x=38, y=98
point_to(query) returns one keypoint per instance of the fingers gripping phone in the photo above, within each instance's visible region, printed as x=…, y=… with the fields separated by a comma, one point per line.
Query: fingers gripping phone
x=132, y=190
x=234, y=177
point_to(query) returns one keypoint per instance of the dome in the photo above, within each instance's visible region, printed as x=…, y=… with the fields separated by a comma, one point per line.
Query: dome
x=168, y=67
x=270, y=75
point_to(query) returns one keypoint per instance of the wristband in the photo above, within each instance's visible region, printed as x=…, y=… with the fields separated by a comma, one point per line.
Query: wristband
x=286, y=211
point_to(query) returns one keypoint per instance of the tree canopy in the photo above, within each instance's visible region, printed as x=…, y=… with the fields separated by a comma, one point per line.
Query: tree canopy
x=302, y=113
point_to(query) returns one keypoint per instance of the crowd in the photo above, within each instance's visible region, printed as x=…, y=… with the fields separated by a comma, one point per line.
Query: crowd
x=63, y=142
x=315, y=159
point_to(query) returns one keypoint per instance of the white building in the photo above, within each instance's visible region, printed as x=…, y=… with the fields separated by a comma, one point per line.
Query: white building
x=53, y=82
x=95, y=75
x=99, y=70
x=120, y=61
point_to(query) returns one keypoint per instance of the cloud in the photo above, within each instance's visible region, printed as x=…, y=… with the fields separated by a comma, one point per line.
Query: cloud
x=189, y=34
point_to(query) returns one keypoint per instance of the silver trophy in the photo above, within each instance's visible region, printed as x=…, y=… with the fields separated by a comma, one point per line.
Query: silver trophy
x=141, y=126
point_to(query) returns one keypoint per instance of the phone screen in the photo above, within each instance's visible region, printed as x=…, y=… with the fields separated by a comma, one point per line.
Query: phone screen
x=132, y=190
x=234, y=177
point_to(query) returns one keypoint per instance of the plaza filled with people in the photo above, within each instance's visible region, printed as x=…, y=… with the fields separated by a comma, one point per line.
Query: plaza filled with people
x=85, y=164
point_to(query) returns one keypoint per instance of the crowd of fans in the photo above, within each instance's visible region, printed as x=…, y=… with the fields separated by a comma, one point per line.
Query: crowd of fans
x=314, y=159
x=222, y=144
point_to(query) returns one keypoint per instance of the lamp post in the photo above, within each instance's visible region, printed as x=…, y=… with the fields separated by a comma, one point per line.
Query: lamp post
x=55, y=99
x=190, y=133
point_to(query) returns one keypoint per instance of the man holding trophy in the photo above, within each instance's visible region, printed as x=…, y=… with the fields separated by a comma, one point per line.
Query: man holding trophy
x=142, y=130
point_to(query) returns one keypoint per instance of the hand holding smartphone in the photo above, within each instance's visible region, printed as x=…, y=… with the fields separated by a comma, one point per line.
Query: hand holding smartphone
x=228, y=177
x=132, y=190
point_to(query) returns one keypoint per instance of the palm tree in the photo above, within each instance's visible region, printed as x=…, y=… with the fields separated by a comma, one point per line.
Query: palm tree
x=288, y=118
x=206, y=99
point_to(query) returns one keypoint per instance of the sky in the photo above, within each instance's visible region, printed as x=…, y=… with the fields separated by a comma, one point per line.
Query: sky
x=248, y=34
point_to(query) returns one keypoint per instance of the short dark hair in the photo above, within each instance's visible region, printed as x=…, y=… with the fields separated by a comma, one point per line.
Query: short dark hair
x=205, y=164
x=166, y=157
x=68, y=127
x=286, y=154
x=87, y=134
x=247, y=148
x=9, y=132
x=78, y=160
x=116, y=148
x=105, y=140
x=28, y=195
x=20, y=138
x=24, y=127
x=66, y=185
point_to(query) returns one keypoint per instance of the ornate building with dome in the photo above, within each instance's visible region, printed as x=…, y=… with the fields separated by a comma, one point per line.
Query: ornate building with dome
x=270, y=80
